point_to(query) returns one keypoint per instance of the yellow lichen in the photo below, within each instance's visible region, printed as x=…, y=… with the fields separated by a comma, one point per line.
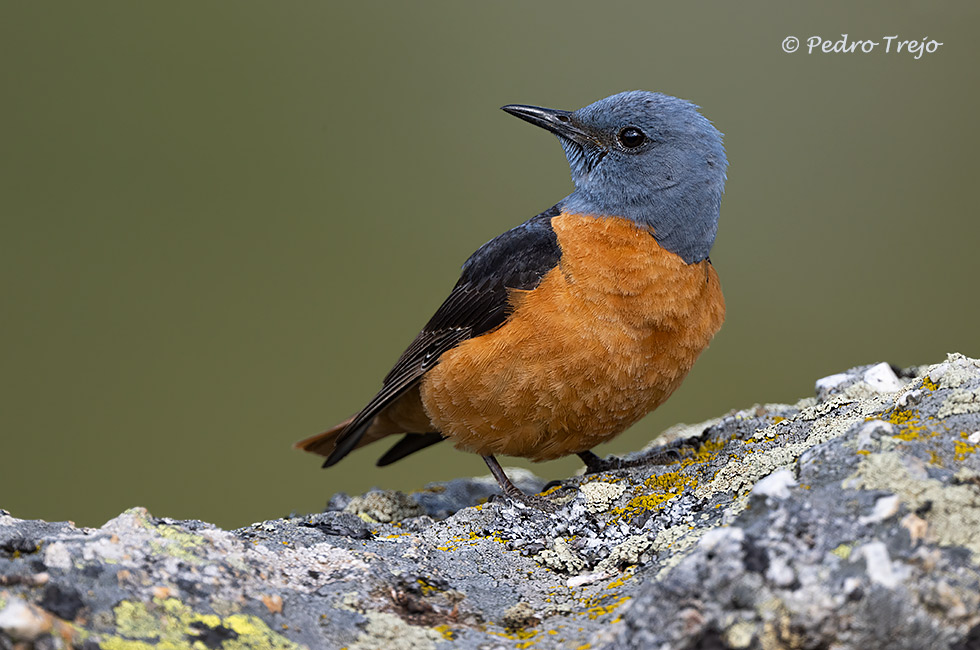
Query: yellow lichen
x=179, y=544
x=525, y=638
x=471, y=539
x=601, y=610
x=172, y=625
x=843, y=551
x=660, y=488
x=706, y=452
x=961, y=449
x=899, y=416
x=601, y=604
x=396, y=535
x=426, y=588
x=621, y=580
x=528, y=635
x=915, y=432
x=910, y=427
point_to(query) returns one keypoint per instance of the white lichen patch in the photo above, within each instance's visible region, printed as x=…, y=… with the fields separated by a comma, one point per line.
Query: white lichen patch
x=876, y=380
x=954, y=515
x=519, y=616
x=392, y=633
x=351, y=601
x=678, y=539
x=561, y=558
x=954, y=372
x=633, y=551
x=740, y=635
x=744, y=472
x=289, y=567
x=960, y=402
x=599, y=495
x=384, y=507
x=57, y=556
x=682, y=431
x=675, y=538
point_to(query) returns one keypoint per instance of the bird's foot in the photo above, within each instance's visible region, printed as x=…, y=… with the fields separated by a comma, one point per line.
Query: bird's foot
x=514, y=493
x=664, y=456
x=536, y=501
x=594, y=464
x=557, y=483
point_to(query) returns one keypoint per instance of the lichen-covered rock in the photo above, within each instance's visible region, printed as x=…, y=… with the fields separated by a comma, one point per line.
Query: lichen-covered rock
x=384, y=507
x=850, y=520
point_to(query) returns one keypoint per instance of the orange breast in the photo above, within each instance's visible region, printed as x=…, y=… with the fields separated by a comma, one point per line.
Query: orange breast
x=603, y=340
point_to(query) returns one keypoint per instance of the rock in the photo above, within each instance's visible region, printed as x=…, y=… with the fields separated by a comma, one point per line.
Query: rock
x=850, y=520
x=777, y=485
x=21, y=621
x=384, y=507
x=392, y=633
x=519, y=617
x=599, y=495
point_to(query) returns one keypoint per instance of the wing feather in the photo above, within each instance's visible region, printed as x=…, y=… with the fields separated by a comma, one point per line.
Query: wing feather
x=479, y=303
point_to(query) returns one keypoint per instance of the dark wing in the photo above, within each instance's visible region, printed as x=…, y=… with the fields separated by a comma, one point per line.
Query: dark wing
x=409, y=444
x=517, y=259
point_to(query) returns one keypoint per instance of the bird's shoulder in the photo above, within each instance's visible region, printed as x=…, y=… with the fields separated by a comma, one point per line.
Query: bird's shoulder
x=516, y=259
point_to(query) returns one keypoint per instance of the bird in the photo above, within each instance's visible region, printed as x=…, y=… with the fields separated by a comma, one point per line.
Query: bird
x=567, y=329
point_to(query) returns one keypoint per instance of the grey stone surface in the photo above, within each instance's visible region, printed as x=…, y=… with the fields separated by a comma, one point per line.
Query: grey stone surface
x=849, y=520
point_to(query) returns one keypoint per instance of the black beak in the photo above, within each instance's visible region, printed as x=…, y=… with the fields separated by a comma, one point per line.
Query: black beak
x=558, y=122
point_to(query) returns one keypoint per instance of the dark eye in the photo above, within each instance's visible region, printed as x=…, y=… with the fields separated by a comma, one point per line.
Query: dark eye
x=631, y=137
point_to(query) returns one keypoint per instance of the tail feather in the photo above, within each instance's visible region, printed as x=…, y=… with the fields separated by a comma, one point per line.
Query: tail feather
x=322, y=444
x=405, y=415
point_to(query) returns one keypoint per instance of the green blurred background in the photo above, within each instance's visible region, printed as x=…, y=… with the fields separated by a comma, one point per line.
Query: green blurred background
x=222, y=222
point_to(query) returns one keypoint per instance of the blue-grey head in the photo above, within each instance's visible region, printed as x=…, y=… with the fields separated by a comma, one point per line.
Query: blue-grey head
x=645, y=156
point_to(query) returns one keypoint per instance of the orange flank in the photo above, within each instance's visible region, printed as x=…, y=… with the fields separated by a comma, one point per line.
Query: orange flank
x=604, y=339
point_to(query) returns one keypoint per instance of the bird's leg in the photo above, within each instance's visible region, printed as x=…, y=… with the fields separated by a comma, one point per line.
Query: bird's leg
x=514, y=492
x=594, y=464
x=509, y=488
